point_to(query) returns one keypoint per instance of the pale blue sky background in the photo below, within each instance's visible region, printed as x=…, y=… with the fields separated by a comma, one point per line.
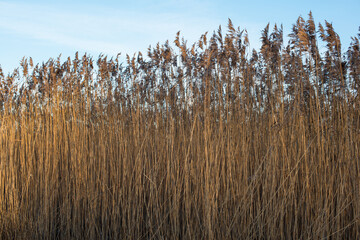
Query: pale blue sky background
x=43, y=29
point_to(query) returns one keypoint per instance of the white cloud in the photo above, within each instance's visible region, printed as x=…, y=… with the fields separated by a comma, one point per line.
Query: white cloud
x=68, y=29
x=109, y=30
x=46, y=30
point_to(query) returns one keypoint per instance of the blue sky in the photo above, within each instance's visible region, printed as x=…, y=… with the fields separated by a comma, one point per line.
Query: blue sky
x=43, y=29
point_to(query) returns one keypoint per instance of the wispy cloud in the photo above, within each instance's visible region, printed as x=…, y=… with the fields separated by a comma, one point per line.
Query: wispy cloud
x=109, y=31
x=76, y=30
x=43, y=30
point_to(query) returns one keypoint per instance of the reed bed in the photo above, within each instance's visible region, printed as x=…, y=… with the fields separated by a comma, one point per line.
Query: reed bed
x=207, y=141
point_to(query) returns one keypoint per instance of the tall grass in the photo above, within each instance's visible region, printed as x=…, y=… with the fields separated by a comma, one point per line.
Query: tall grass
x=210, y=141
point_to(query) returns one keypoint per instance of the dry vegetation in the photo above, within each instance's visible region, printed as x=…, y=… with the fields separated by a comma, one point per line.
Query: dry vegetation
x=210, y=141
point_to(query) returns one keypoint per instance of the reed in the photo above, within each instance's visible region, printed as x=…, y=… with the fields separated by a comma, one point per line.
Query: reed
x=208, y=141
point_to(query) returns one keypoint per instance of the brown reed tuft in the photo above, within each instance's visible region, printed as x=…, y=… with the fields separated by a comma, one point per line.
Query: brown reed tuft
x=215, y=141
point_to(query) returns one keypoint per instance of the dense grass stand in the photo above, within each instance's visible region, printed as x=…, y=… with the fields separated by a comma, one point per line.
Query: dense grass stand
x=210, y=141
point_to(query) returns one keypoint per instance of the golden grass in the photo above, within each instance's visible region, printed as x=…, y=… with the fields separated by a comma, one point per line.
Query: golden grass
x=206, y=142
